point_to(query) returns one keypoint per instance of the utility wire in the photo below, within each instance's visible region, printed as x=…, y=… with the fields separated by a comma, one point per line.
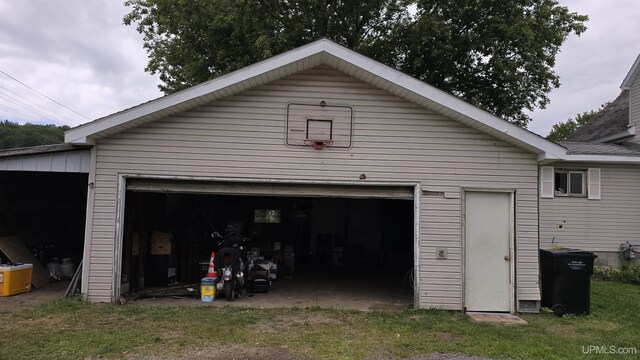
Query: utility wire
x=30, y=108
x=23, y=128
x=41, y=94
x=40, y=106
x=55, y=141
x=13, y=107
x=19, y=112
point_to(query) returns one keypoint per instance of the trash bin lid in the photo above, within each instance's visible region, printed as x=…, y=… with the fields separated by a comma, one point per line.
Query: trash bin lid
x=573, y=253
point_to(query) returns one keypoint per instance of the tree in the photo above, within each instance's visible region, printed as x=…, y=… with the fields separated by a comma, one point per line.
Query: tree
x=14, y=135
x=496, y=54
x=563, y=130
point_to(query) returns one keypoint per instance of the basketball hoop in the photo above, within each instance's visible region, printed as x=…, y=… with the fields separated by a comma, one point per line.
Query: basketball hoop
x=318, y=144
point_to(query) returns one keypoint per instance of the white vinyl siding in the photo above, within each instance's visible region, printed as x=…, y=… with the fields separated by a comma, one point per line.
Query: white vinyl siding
x=595, y=225
x=243, y=137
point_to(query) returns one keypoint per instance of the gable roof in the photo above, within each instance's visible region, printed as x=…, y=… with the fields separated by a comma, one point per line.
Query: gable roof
x=612, y=120
x=306, y=57
x=631, y=75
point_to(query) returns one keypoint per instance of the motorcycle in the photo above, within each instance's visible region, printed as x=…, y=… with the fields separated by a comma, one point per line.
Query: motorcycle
x=230, y=264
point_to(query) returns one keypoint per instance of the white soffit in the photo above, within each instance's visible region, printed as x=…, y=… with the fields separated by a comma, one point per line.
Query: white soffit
x=306, y=57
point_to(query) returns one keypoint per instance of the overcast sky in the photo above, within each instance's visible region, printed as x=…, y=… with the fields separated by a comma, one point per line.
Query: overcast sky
x=79, y=53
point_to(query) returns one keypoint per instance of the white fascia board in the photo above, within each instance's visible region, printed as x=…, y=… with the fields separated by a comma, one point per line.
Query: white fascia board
x=546, y=157
x=81, y=134
x=550, y=149
x=631, y=75
x=612, y=159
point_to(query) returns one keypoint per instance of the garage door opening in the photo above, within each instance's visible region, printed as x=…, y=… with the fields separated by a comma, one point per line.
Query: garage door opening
x=42, y=222
x=330, y=251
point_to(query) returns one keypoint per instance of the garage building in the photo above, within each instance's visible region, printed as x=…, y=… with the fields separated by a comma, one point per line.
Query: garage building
x=363, y=170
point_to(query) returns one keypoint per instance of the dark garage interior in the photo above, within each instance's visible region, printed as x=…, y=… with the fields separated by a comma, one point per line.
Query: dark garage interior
x=44, y=212
x=321, y=245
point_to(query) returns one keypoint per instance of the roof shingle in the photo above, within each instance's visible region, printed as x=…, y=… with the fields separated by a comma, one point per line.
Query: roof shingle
x=587, y=148
x=613, y=119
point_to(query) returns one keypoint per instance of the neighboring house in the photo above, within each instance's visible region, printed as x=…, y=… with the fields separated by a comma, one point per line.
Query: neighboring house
x=611, y=124
x=573, y=212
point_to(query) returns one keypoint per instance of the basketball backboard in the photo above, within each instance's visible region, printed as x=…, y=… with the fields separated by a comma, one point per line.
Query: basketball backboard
x=319, y=122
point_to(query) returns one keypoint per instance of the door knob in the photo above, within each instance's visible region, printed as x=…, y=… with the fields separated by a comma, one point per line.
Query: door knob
x=506, y=257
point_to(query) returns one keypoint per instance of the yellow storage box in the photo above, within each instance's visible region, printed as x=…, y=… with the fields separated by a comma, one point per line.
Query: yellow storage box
x=15, y=279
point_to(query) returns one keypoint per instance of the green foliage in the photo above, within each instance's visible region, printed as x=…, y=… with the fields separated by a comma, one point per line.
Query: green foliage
x=13, y=135
x=496, y=54
x=71, y=329
x=563, y=130
x=626, y=274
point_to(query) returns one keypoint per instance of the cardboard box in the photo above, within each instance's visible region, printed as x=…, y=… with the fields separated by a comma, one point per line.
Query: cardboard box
x=15, y=279
x=161, y=243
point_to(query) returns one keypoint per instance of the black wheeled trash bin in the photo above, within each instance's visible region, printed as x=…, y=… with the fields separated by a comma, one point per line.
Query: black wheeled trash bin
x=566, y=280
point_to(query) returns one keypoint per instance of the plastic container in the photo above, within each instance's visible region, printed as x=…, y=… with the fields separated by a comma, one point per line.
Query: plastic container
x=208, y=289
x=259, y=284
x=15, y=279
x=566, y=280
x=53, y=267
x=67, y=268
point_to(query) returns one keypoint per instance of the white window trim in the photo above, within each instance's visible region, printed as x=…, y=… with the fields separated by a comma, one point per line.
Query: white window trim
x=591, y=182
x=569, y=172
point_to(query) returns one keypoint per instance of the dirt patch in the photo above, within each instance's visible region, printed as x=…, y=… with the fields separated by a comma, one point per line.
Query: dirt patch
x=564, y=330
x=227, y=352
x=172, y=335
x=49, y=321
x=314, y=318
x=602, y=325
x=285, y=322
x=449, y=356
x=390, y=307
x=449, y=337
x=47, y=293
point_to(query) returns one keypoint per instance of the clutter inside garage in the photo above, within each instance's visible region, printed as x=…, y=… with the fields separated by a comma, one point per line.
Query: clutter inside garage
x=285, y=244
x=42, y=222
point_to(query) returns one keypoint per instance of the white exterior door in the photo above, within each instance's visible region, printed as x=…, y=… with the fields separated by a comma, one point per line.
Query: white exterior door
x=488, y=228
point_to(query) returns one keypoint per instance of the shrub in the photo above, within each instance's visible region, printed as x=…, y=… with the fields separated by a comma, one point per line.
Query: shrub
x=626, y=274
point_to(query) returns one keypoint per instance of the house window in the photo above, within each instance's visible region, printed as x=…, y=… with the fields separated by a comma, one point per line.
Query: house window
x=570, y=183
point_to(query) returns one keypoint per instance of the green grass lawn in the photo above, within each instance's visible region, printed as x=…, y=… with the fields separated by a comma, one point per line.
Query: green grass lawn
x=75, y=329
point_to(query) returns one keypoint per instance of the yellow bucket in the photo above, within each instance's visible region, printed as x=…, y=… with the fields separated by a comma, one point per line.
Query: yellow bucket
x=208, y=289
